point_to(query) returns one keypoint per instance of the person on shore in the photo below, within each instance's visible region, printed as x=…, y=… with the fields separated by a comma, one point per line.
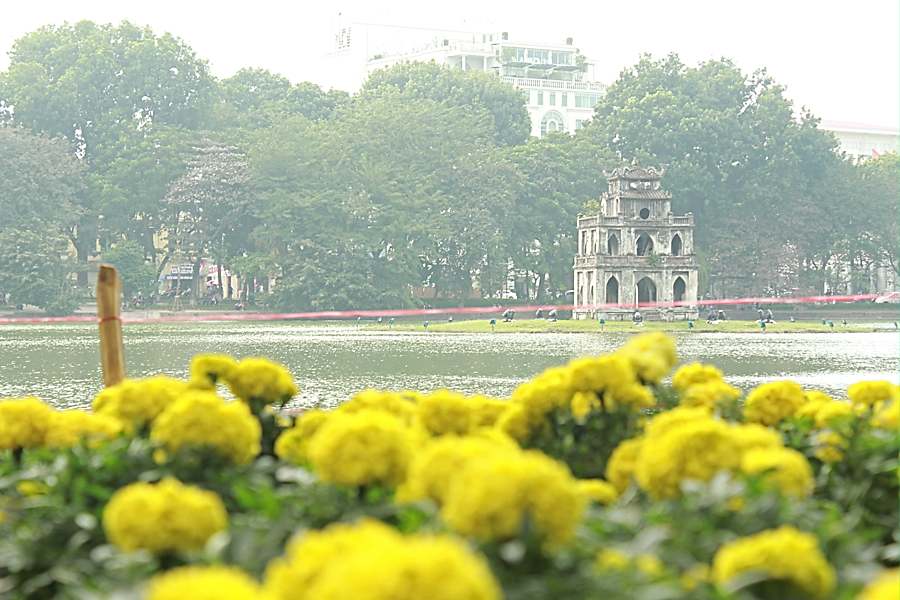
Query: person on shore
x=769, y=316
x=508, y=315
x=425, y=325
x=493, y=325
x=637, y=318
x=391, y=323
x=552, y=315
x=720, y=315
x=793, y=320
x=539, y=314
x=450, y=319
x=762, y=325
x=601, y=318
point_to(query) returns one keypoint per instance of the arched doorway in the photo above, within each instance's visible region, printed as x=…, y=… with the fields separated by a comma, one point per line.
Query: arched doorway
x=646, y=291
x=678, y=290
x=676, y=245
x=612, y=245
x=644, y=246
x=612, y=290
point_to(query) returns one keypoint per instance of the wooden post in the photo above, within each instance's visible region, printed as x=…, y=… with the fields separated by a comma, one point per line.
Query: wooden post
x=112, y=357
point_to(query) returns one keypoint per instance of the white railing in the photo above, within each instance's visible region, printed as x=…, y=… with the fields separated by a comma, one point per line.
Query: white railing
x=555, y=84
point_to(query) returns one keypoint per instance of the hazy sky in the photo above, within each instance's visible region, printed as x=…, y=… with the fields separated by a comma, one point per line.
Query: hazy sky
x=838, y=57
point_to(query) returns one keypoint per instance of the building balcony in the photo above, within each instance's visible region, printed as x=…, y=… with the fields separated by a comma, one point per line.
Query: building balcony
x=622, y=221
x=554, y=84
x=630, y=261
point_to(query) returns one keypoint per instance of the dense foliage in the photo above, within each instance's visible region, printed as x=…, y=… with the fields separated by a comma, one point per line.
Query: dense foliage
x=593, y=480
x=426, y=178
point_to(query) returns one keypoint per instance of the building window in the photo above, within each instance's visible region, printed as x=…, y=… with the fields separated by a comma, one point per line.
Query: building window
x=540, y=98
x=552, y=99
x=579, y=123
x=564, y=99
x=586, y=100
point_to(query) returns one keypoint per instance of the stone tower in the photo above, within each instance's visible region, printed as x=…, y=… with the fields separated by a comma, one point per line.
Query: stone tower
x=635, y=252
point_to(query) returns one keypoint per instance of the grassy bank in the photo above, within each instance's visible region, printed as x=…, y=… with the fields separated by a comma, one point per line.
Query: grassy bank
x=570, y=326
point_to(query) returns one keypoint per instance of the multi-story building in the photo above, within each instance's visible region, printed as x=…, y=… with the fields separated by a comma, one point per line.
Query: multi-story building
x=557, y=79
x=861, y=142
x=636, y=253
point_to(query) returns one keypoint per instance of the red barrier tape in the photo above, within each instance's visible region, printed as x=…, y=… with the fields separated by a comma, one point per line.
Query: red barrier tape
x=462, y=310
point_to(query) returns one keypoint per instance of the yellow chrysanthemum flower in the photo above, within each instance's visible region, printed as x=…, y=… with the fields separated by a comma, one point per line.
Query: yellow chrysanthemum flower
x=204, y=583
x=621, y=464
x=24, y=423
x=362, y=448
x=209, y=369
x=490, y=498
x=202, y=419
x=695, y=450
x=597, y=490
x=514, y=422
x=670, y=420
x=693, y=374
x=784, y=554
x=786, y=469
x=831, y=411
x=293, y=445
x=443, y=411
x=370, y=560
x=487, y=411
x=401, y=405
x=583, y=403
x=70, y=427
x=769, y=403
x=749, y=436
x=885, y=587
x=163, y=517
x=435, y=467
x=888, y=417
x=136, y=402
x=829, y=446
x=261, y=381
x=873, y=393
x=652, y=356
x=709, y=394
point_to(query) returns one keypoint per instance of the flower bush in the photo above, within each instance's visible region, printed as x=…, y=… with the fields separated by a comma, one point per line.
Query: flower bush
x=594, y=479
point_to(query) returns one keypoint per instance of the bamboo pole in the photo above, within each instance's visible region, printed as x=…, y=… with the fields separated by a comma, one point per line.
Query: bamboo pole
x=112, y=356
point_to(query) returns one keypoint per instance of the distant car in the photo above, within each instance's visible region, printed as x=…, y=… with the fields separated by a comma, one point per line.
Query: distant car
x=509, y=295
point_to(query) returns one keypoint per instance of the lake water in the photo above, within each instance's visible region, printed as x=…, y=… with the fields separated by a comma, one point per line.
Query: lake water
x=60, y=363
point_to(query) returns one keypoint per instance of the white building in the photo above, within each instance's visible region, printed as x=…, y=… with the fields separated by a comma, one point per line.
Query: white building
x=556, y=78
x=860, y=141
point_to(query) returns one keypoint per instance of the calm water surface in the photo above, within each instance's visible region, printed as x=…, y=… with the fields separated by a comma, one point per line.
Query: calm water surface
x=60, y=363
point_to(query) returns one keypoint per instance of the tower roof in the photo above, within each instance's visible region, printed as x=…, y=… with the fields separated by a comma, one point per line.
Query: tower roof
x=635, y=172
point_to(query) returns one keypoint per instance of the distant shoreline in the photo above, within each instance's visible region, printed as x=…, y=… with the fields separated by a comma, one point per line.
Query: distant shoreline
x=590, y=326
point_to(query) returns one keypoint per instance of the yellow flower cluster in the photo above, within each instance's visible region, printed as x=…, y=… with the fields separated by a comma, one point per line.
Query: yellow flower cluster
x=786, y=469
x=372, y=561
x=822, y=409
x=202, y=419
x=442, y=412
x=208, y=369
x=590, y=384
x=261, y=380
x=204, y=583
x=784, y=554
x=597, y=490
x=695, y=374
x=487, y=488
x=770, y=403
x=136, y=402
x=69, y=427
x=163, y=517
x=873, y=393
x=690, y=444
x=293, y=444
x=888, y=417
x=885, y=587
x=362, y=448
x=24, y=423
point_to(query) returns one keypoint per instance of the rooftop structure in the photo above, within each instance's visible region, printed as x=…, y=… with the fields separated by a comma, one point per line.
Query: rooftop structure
x=556, y=78
x=862, y=142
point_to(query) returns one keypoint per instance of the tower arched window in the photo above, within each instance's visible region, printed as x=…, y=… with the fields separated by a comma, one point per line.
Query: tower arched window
x=612, y=245
x=644, y=245
x=677, y=246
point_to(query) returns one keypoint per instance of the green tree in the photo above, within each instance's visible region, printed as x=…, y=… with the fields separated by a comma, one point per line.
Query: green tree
x=138, y=275
x=878, y=200
x=561, y=174
x=735, y=157
x=95, y=85
x=34, y=269
x=468, y=89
